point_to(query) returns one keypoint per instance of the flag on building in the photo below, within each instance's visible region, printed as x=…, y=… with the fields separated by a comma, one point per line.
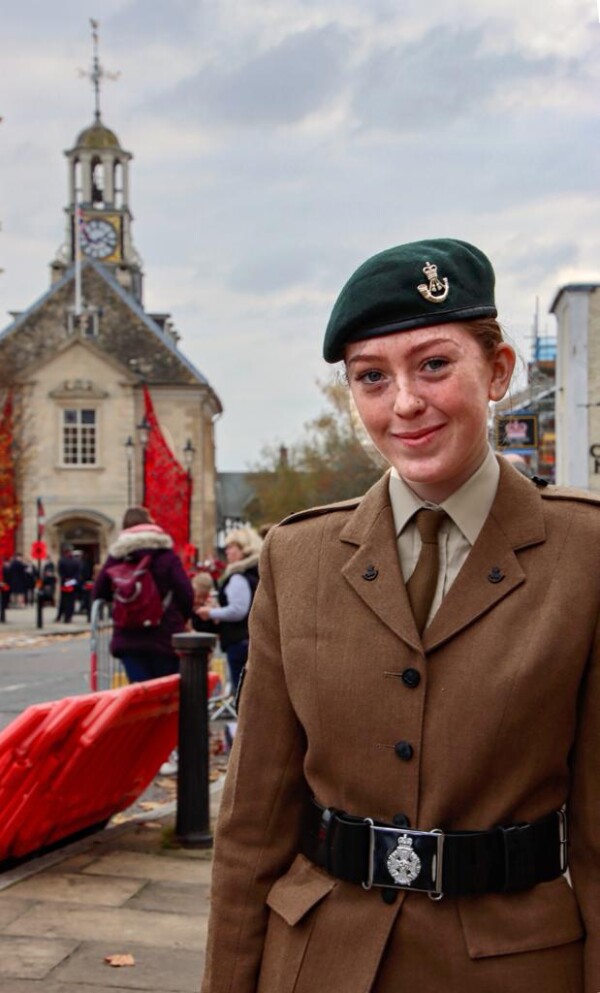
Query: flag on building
x=79, y=230
x=167, y=485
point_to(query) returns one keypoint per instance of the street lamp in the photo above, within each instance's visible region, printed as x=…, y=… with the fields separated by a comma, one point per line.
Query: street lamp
x=188, y=460
x=188, y=455
x=129, y=450
x=143, y=430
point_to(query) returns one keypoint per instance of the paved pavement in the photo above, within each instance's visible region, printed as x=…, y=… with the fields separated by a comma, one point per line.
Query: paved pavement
x=20, y=626
x=129, y=890
x=126, y=891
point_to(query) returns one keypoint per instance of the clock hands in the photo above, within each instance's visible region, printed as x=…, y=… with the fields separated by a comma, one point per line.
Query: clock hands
x=99, y=237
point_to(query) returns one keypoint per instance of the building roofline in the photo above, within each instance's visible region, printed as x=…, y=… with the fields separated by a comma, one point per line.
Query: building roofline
x=23, y=315
x=127, y=298
x=572, y=288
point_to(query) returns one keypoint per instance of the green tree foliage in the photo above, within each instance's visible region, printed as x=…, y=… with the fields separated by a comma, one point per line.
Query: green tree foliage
x=329, y=463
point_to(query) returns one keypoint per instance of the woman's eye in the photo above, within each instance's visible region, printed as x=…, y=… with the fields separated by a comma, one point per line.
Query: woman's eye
x=434, y=365
x=371, y=376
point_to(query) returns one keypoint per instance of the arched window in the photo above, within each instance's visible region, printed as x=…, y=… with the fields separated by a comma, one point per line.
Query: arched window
x=118, y=180
x=97, y=183
x=77, y=181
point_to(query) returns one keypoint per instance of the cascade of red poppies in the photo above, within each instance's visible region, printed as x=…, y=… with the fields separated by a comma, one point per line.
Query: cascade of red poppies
x=167, y=485
x=9, y=508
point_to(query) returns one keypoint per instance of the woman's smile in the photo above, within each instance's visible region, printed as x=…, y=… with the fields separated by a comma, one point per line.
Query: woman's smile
x=418, y=437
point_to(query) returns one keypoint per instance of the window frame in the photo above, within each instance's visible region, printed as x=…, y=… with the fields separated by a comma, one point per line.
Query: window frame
x=92, y=328
x=80, y=435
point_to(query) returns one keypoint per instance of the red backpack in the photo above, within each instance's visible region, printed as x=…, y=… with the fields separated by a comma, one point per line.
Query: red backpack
x=136, y=600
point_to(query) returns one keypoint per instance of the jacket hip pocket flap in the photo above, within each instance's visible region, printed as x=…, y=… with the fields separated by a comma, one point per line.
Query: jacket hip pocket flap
x=302, y=887
x=507, y=923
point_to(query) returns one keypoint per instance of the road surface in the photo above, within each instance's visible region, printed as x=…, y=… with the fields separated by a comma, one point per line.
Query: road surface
x=50, y=670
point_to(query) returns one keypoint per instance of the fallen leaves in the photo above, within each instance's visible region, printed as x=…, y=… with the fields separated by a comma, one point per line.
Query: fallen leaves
x=119, y=960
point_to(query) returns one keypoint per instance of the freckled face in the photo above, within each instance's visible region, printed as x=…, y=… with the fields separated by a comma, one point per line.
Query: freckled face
x=423, y=398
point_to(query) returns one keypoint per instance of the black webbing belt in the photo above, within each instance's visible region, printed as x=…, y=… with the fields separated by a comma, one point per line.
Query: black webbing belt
x=456, y=863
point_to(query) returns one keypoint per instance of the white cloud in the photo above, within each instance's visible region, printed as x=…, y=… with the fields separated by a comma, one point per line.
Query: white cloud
x=278, y=145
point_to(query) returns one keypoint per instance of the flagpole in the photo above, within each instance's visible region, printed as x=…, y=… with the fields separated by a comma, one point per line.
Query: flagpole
x=39, y=591
x=77, y=262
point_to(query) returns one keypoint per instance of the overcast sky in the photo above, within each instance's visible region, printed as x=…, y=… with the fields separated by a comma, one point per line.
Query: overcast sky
x=279, y=144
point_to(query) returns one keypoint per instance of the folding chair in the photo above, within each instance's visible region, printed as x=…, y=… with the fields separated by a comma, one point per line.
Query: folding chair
x=222, y=704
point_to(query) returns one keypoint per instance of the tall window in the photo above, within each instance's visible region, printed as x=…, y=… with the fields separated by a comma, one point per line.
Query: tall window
x=79, y=437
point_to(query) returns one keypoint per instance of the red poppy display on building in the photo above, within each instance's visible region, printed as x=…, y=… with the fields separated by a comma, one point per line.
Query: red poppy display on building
x=9, y=507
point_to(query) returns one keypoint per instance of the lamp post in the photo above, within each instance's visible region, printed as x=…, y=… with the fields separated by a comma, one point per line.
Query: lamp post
x=188, y=460
x=129, y=449
x=143, y=430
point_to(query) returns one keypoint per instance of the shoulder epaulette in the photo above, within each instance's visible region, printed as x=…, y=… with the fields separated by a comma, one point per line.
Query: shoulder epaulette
x=566, y=493
x=328, y=508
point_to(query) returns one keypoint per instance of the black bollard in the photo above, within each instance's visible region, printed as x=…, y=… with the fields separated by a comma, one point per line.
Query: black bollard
x=39, y=607
x=192, y=824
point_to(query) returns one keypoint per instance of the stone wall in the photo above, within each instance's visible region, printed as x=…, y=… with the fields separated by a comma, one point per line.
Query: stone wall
x=57, y=368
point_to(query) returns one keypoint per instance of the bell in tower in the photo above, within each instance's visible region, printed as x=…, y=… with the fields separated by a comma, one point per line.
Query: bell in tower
x=98, y=214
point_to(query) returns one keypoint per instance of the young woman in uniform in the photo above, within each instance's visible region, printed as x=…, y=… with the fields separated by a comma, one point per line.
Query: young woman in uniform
x=417, y=755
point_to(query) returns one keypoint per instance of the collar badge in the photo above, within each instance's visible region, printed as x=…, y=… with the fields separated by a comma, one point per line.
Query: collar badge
x=436, y=290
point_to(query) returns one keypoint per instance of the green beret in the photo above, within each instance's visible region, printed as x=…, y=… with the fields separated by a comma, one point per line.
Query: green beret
x=416, y=285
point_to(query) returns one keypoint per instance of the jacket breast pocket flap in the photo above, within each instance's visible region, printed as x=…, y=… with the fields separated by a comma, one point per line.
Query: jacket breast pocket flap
x=302, y=887
x=507, y=923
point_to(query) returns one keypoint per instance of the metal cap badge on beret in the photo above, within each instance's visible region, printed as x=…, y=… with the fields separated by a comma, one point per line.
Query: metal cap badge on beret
x=436, y=281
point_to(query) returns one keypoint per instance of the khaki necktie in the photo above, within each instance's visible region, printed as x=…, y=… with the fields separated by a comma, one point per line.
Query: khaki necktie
x=421, y=585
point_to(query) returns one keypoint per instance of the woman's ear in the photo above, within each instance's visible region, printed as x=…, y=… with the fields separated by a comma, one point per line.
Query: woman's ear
x=503, y=365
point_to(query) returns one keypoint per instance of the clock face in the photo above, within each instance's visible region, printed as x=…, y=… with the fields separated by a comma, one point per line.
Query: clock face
x=99, y=238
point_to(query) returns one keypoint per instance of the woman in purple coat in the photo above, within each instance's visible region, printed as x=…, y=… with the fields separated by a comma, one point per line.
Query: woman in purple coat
x=146, y=651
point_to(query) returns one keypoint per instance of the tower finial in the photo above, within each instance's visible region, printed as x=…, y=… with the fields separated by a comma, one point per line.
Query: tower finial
x=97, y=72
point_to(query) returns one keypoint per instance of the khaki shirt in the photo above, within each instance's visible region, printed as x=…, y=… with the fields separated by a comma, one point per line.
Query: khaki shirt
x=467, y=510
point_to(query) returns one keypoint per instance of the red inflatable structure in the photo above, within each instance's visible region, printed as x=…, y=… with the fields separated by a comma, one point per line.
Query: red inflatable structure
x=68, y=766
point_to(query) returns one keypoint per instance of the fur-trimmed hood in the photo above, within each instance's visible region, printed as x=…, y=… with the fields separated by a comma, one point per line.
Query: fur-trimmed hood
x=140, y=538
x=250, y=562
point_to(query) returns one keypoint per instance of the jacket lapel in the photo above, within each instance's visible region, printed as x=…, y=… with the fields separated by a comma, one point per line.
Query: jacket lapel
x=373, y=570
x=492, y=569
x=490, y=573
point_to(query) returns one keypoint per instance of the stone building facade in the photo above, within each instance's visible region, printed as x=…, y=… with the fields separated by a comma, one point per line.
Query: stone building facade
x=577, y=311
x=79, y=359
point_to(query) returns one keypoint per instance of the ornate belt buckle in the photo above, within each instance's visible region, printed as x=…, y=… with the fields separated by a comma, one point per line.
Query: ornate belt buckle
x=405, y=859
x=403, y=863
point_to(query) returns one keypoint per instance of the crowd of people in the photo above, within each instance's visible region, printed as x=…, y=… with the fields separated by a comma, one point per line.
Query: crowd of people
x=66, y=585
x=213, y=596
x=19, y=576
x=154, y=597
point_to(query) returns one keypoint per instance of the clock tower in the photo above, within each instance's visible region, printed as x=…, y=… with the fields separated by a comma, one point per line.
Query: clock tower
x=98, y=213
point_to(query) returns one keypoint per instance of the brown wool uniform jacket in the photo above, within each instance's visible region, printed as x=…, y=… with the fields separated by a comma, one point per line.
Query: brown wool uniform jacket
x=504, y=726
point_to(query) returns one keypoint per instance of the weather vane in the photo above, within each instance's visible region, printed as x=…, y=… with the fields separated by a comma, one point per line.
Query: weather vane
x=97, y=72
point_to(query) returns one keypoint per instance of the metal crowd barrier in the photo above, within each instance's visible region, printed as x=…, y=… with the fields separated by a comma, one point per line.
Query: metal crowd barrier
x=106, y=672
